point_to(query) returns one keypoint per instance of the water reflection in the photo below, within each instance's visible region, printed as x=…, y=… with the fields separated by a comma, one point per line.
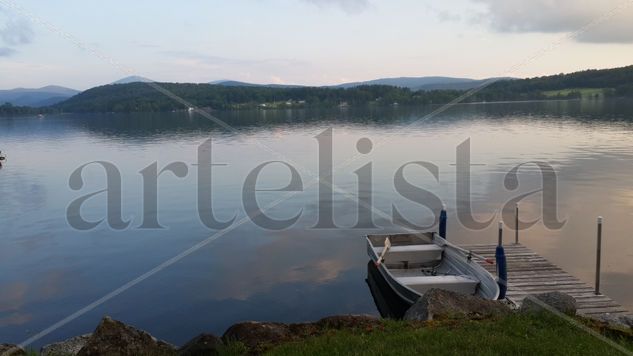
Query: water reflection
x=49, y=270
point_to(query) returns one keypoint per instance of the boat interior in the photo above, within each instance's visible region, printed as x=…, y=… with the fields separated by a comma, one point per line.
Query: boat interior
x=416, y=262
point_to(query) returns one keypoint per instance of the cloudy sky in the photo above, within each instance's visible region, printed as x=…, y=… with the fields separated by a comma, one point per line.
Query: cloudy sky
x=74, y=43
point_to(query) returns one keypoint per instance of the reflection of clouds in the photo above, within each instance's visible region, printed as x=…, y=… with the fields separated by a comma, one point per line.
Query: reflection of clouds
x=289, y=259
x=12, y=296
x=15, y=319
x=16, y=296
x=319, y=272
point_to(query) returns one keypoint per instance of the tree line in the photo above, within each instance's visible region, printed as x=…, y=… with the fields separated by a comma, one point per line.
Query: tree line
x=141, y=97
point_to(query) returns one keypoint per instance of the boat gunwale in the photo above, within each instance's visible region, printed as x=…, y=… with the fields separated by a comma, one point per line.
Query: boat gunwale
x=433, y=238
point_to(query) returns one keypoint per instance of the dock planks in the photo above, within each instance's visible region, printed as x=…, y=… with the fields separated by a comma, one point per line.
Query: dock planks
x=530, y=273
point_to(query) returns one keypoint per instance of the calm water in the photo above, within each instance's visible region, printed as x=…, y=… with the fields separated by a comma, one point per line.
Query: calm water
x=48, y=270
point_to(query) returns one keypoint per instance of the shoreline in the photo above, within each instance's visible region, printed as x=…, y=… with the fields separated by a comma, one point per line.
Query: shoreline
x=35, y=112
x=440, y=322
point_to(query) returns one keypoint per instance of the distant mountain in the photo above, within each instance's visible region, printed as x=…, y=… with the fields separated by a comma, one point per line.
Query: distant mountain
x=48, y=95
x=467, y=85
x=413, y=83
x=406, y=82
x=235, y=83
x=132, y=79
x=423, y=83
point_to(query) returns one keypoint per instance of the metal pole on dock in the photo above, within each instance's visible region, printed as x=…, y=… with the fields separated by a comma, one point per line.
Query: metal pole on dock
x=598, y=255
x=516, y=224
x=443, y=219
x=500, y=233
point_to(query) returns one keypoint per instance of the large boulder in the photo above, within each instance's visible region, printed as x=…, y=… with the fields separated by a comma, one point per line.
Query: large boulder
x=561, y=302
x=258, y=336
x=67, y=347
x=442, y=304
x=11, y=350
x=201, y=345
x=116, y=338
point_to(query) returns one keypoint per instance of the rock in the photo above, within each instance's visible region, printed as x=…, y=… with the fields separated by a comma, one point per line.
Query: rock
x=303, y=330
x=562, y=302
x=442, y=304
x=116, y=338
x=67, y=347
x=11, y=350
x=258, y=336
x=349, y=322
x=203, y=344
x=618, y=327
x=620, y=321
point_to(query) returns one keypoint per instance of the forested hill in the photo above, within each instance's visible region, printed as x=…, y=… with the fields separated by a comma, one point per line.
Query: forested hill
x=143, y=97
x=610, y=82
x=135, y=97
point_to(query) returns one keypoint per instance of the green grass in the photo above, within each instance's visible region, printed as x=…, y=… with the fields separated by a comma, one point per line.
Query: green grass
x=514, y=335
x=584, y=92
x=233, y=349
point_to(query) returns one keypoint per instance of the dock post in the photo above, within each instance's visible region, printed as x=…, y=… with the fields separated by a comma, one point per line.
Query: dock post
x=516, y=224
x=443, y=219
x=598, y=255
x=502, y=270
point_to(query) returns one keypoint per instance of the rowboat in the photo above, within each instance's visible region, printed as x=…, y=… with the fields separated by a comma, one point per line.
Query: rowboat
x=411, y=264
x=388, y=303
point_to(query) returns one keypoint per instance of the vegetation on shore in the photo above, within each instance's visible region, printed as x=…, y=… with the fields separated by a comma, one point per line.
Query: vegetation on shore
x=528, y=334
x=585, y=93
x=8, y=109
x=135, y=97
x=141, y=97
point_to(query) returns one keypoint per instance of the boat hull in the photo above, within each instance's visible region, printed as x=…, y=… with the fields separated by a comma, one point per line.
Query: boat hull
x=389, y=304
x=451, y=260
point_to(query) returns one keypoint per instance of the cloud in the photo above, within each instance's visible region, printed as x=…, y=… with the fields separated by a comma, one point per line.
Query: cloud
x=443, y=14
x=13, y=32
x=611, y=20
x=16, y=32
x=257, y=70
x=6, y=51
x=349, y=6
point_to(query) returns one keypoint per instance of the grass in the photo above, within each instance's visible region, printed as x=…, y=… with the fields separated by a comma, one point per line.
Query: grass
x=584, y=92
x=233, y=349
x=543, y=334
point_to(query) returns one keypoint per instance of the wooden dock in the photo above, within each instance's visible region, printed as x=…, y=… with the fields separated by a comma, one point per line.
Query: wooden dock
x=530, y=273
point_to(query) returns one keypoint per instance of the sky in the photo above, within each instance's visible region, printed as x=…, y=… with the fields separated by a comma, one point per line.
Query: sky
x=85, y=43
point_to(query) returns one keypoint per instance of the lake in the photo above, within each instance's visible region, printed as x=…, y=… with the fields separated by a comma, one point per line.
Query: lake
x=300, y=271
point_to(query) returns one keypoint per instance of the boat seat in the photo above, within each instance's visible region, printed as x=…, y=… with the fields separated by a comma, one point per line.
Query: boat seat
x=459, y=284
x=412, y=253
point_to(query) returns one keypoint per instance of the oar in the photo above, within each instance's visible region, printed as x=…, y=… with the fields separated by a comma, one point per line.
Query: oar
x=384, y=251
x=470, y=253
